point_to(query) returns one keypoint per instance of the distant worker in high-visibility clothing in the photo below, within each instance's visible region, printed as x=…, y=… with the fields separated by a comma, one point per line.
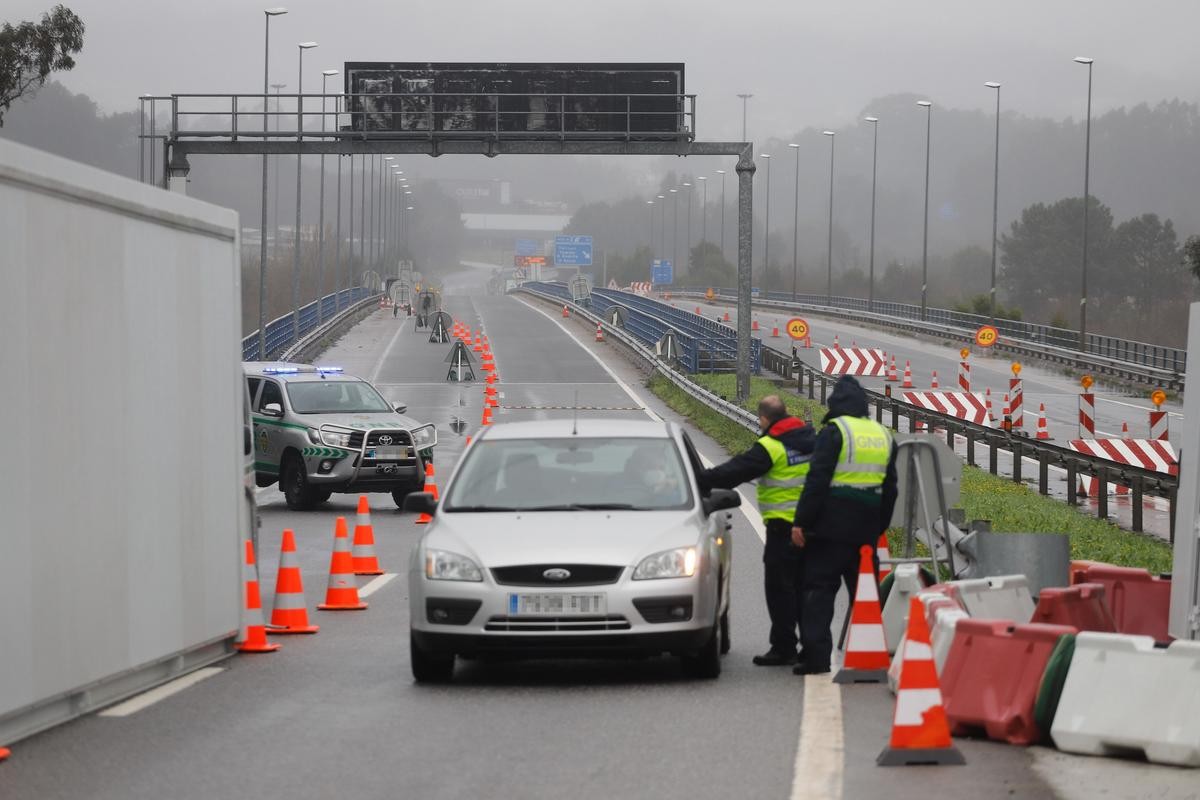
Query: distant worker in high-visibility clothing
x=779, y=460
x=847, y=502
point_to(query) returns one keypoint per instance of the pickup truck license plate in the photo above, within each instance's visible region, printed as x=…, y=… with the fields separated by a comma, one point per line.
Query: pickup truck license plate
x=387, y=453
x=559, y=605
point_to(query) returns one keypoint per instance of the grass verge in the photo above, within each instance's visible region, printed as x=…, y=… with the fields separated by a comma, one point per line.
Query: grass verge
x=1011, y=507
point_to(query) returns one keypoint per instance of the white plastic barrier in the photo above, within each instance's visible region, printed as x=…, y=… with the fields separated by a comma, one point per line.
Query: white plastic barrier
x=999, y=597
x=906, y=581
x=942, y=634
x=937, y=607
x=1122, y=695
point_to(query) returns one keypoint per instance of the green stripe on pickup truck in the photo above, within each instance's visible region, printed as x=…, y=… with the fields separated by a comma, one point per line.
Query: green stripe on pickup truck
x=324, y=452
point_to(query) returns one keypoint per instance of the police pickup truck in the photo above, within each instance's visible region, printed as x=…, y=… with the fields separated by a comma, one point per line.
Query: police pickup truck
x=318, y=431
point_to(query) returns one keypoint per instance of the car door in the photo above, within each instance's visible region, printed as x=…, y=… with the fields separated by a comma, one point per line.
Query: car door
x=717, y=526
x=268, y=434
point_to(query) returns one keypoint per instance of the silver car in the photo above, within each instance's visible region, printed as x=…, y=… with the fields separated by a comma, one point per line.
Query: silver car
x=560, y=538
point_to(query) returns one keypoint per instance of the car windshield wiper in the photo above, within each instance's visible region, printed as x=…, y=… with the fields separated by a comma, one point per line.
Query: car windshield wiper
x=584, y=507
x=482, y=508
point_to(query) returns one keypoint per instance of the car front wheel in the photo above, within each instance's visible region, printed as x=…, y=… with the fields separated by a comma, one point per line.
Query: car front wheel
x=705, y=663
x=294, y=484
x=429, y=667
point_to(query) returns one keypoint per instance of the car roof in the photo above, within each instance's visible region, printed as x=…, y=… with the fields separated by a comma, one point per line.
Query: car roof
x=296, y=373
x=584, y=426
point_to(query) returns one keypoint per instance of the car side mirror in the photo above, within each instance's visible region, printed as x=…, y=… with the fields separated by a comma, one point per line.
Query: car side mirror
x=720, y=499
x=273, y=410
x=401, y=408
x=421, y=503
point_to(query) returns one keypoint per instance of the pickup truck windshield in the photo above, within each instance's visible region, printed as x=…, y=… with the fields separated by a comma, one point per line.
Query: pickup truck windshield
x=335, y=397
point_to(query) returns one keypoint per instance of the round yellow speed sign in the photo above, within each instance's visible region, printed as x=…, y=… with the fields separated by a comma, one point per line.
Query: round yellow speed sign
x=986, y=336
x=1158, y=397
x=797, y=328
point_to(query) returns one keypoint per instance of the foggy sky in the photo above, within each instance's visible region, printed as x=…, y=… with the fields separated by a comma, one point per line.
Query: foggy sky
x=807, y=63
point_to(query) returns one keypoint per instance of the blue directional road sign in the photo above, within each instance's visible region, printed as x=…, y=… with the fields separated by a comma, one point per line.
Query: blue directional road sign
x=528, y=247
x=662, y=273
x=572, y=251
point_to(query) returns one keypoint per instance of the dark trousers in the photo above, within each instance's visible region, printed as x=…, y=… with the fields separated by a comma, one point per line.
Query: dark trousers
x=826, y=564
x=783, y=575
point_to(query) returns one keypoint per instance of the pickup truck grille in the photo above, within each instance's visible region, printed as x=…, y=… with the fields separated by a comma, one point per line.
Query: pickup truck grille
x=398, y=439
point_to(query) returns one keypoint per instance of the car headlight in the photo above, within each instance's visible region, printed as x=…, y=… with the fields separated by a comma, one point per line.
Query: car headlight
x=424, y=437
x=677, y=563
x=333, y=438
x=442, y=565
x=314, y=435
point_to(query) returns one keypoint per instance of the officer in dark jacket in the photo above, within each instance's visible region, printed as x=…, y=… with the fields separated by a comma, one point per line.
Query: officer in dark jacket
x=847, y=502
x=779, y=461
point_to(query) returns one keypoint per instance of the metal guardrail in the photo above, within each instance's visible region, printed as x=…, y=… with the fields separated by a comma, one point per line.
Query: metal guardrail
x=1140, y=481
x=279, y=330
x=1139, y=362
x=296, y=352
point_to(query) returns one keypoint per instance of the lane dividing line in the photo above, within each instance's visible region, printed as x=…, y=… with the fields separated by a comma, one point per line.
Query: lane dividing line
x=375, y=584
x=820, y=756
x=388, y=351
x=753, y=520
x=146, y=699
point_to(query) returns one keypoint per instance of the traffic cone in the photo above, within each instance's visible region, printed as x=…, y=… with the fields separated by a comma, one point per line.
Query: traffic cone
x=866, y=657
x=1042, y=432
x=882, y=551
x=342, y=592
x=252, y=638
x=489, y=390
x=289, y=613
x=774, y=333
x=891, y=374
x=599, y=332
x=726, y=318
x=363, y=552
x=754, y=325
x=987, y=400
x=908, y=384
x=431, y=487
x=491, y=378
x=920, y=731
x=1124, y=430
x=566, y=313
x=934, y=384
x=835, y=342
x=487, y=416
x=478, y=346
x=4, y=753
x=697, y=311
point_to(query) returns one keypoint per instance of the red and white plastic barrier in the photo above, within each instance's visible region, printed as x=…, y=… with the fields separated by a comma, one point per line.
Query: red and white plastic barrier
x=964, y=405
x=1145, y=453
x=864, y=361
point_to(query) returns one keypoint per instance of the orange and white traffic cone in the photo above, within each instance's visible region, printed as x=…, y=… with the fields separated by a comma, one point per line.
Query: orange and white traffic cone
x=342, y=592
x=934, y=383
x=726, y=318
x=566, y=312
x=1042, y=432
x=774, y=333
x=289, y=613
x=599, y=332
x=363, y=556
x=252, y=638
x=4, y=753
x=754, y=325
x=891, y=373
x=431, y=487
x=491, y=378
x=866, y=658
x=920, y=731
x=487, y=416
x=987, y=402
x=907, y=384
x=1124, y=430
x=882, y=551
x=835, y=342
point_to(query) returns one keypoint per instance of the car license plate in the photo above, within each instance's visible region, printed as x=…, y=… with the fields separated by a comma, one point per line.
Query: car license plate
x=560, y=605
x=386, y=453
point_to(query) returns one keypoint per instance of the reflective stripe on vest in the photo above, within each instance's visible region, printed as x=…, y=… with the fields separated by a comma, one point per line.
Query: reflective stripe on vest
x=866, y=448
x=779, y=490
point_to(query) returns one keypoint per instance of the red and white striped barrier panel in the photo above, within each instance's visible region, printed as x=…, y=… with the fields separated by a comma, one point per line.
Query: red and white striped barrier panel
x=1087, y=415
x=1145, y=453
x=964, y=376
x=640, y=287
x=853, y=361
x=1016, y=405
x=1158, y=426
x=966, y=406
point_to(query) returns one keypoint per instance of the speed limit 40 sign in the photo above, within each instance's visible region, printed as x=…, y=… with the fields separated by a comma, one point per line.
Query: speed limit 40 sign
x=797, y=328
x=986, y=336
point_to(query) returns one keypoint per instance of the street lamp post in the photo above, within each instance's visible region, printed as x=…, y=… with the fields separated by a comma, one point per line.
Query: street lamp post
x=687, y=250
x=767, y=234
x=650, y=238
x=275, y=234
x=829, y=246
x=796, y=224
x=362, y=216
x=995, y=202
x=721, y=172
x=744, y=97
x=674, y=226
x=296, y=234
x=703, y=213
x=326, y=74
x=386, y=221
x=871, y=259
x=928, y=106
x=1087, y=157
x=262, y=232
x=662, y=226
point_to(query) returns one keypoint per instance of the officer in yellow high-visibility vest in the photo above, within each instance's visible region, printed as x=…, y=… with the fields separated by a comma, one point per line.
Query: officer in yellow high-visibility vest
x=779, y=461
x=847, y=502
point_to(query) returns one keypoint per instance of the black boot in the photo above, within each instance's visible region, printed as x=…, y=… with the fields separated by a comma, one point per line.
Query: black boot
x=805, y=668
x=776, y=658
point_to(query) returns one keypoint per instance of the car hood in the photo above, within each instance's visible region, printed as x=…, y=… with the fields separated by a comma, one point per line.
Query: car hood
x=567, y=537
x=380, y=419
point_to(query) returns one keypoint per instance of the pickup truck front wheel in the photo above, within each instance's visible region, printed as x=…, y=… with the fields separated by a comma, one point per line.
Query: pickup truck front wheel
x=294, y=483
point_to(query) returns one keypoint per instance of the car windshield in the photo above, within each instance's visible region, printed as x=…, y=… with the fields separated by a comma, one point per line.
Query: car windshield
x=575, y=474
x=334, y=397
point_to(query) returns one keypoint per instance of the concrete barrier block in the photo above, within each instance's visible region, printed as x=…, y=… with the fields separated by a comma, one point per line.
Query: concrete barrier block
x=1123, y=696
x=1000, y=597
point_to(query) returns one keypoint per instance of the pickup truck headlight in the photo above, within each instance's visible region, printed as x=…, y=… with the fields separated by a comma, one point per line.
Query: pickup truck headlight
x=442, y=565
x=424, y=437
x=677, y=563
x=333, y=438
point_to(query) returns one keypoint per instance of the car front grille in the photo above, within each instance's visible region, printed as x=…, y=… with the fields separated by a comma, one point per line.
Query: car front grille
x=400, y=438
x=612, y=622
x=534, y=575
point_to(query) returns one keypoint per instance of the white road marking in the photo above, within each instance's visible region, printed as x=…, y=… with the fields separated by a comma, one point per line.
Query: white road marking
x=387, y=352
x=374, y=585
x=1176, y=414
x=145, y=699
x=820, y=756
x=753, y=519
